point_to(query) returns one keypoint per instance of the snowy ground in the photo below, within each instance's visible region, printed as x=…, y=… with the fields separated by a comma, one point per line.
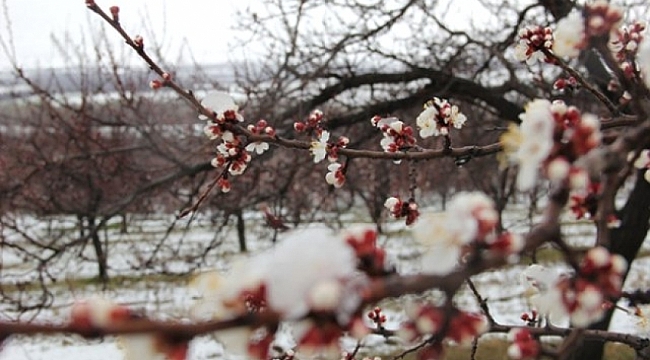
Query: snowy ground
x=167, y=298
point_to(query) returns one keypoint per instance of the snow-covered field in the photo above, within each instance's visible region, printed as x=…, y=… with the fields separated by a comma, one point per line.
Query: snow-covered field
x=178, y=250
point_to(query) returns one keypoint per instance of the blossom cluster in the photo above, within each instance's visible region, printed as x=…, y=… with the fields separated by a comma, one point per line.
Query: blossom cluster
x=231, y=152
x=425, y=320
x=583, y=298
x=584, y=204
x=377, y=317
x=599, y=21
x=552, y=136
x=261, y=127
x=470, y=220
x=438, y=116
x=601, y=18
x=624, y=43
x=397, y=135
x=573, y=32
x=436, y=119
x=565, y=83
x=371, y=258
x=99, y=313
x=533, y=42
x=321, y=147
x=332, y=274
x=314, y=123
x=399, y=208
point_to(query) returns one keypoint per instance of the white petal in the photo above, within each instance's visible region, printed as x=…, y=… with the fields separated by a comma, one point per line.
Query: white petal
x=541, y=277
x=219, y=102
x=527, y=176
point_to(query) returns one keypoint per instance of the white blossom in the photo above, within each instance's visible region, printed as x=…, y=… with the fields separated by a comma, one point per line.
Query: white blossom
x=217, y=293
x=536, y=141
x=258, y=147
x=220, y=102
x=391, y=203
x=426, y=121
x=334, y=176
x=319, y=148
x=326, y=295
x=590, y=308
x=523, y=53
x=436, y=118
x=457, y=118
x=547, y=298
x=569, y=35
x=444, y=235
x=558, y=169
x=441, y=248
x=299, y=264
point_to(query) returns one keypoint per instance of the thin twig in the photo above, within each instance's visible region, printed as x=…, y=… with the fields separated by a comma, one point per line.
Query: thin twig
x=481, y=301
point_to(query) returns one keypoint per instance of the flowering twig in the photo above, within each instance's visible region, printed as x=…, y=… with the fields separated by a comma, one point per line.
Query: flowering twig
x=169, y=82
x=582, y=81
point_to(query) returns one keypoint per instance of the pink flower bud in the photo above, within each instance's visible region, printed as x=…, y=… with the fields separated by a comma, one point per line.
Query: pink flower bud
x=573, y=81
x=155, y=84
x=628, y=69
x=115, y=11
x=224, y=185
x=613, y=222
x=138, y=41
x=625, y=98
x=299, y=127
x=166, y=76
x=612, y=85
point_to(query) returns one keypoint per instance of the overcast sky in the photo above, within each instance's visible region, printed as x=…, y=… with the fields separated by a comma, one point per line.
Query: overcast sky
x=206, y=24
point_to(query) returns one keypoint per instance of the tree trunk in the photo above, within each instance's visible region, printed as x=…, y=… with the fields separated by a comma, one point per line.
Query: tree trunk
x=99, y=251
x=241, y=230
x=124, y=228
x=82, y=227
